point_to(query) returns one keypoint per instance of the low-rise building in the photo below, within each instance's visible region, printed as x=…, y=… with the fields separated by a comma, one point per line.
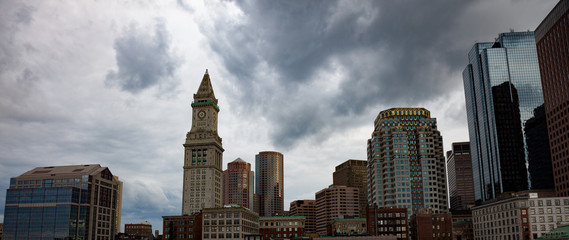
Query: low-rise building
x=281, y=227
x=462, y=224
x=524, y=215
x=429, y=226
x=388, y=221
x=229, y=222
x=136, y=231
x=347, y=227
x=186, y=227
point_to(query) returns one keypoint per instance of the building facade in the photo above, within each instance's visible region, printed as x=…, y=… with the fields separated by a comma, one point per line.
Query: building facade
x=269, y=181
x=186, y=227
x=136, y=231
x=459, y=167
x=306, y=208
x=428, y=226
x=238, y=184
x=203, y=154
x=353, y=173
x=388, y=221
x=77, y=201
x=552, y=45
x=524, y=215
x=231, y=222
x=347, y=227
x=462, y=224
x=502, y=89
x=281, y=227
x=406, y=165
x=334, y=202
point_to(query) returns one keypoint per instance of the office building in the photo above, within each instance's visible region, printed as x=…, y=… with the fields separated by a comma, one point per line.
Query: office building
x=306, y=208
x=353, y=173
x=388, y=221
x=231, y=222
x=281, y=227
x=523, y=215
x=203, y=154
x=269, y=181
x=552, y=37
x=238, y=184
x=406, y=165
x=334, y=202
x=77, y=201
x=138, y=231
x=459, y=167
x=502, y=89
x=186, y=227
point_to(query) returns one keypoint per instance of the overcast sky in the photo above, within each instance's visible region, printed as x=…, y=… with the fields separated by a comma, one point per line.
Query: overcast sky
x=111, y=82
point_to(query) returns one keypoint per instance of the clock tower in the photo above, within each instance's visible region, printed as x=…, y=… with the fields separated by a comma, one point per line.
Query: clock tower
x=203, y=154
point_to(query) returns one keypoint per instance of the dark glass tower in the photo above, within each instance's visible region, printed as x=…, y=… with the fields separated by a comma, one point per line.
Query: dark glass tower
x=502, y=88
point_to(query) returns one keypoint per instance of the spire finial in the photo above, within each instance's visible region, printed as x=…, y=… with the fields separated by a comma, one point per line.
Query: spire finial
x=206, y=71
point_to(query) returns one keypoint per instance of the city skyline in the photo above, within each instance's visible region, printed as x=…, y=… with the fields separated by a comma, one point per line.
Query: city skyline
x=303, y=91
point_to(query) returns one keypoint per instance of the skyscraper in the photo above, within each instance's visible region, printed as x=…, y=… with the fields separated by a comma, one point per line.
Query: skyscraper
x=63, y=202
x=552, y=46
x=203, y=156
x=406, y=165
x=237, y=184
x=353, y=173
x=459, y=168
x=269, y=181
x=502, y=89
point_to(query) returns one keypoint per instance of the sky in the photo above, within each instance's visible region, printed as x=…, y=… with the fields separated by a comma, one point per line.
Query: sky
x=111, y=82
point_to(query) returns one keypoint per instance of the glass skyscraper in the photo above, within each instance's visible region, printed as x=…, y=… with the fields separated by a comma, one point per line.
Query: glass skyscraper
x=65, y=202
x=503, y=88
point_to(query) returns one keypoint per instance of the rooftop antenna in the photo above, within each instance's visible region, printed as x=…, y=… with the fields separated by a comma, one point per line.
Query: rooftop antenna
x=206, y=71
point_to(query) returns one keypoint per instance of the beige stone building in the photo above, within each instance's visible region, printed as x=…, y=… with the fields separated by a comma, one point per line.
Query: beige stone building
x=203, y=155
x=229, y=222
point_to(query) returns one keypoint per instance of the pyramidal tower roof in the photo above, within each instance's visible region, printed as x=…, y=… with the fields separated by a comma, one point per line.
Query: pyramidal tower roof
x=205, y=91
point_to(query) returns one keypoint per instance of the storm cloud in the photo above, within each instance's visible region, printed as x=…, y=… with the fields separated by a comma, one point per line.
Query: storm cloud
x=143, y=60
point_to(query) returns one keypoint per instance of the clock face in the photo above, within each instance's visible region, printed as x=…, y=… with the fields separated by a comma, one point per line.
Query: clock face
x=201, y=114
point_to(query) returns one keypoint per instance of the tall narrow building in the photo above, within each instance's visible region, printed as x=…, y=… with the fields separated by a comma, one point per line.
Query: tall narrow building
x=459, y=168
x=406, y=165
x=203, y=154
x=237, y=184
x=269, y=181
x=353, y=173
x=503, y=89
x=552, y=37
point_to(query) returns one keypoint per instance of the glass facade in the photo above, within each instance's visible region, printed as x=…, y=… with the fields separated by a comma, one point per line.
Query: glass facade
x=80, y=202
x=46, y=213
x=502, y=89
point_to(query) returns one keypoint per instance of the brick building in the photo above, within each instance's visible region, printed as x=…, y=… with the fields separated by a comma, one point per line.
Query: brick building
x=388, y=221
x=281, y=227
x=306, y=208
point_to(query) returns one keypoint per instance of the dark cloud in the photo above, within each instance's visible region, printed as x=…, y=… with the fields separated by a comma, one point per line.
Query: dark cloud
x=389, y=51
x=143, y=59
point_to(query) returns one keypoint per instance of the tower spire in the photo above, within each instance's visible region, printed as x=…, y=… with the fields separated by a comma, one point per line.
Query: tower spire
x=205, y=91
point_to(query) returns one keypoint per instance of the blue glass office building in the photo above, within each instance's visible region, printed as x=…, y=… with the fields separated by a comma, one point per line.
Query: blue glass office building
x=69, y=202
x=503, y=88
